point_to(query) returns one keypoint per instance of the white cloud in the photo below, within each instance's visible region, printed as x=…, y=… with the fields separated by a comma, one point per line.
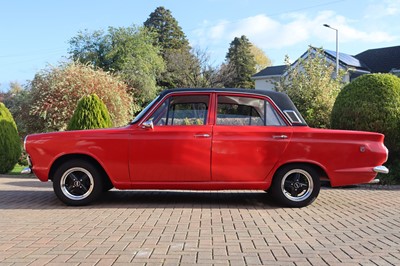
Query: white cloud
x=292, y=29
x=348, y=34
x=380, y=9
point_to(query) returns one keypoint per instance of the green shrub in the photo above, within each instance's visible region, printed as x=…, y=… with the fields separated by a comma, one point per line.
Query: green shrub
x=19, y=103
x=55, y=92
x=310, y=85
x=393, y=178
x=10, y=144
x=371, y=103
x=90, y=113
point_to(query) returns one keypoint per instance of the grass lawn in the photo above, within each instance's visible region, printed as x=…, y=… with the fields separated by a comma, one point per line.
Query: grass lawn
x=17, y=169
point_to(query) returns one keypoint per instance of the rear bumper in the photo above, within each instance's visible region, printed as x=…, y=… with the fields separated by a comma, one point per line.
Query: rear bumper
x=381, y=169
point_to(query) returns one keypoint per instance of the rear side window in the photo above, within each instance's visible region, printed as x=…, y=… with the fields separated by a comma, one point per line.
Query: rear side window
x=246, y=111
x=293, y=117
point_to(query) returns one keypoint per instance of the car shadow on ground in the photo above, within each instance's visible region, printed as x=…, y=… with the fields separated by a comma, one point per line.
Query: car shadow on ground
x=31, y=194
x=187, y=199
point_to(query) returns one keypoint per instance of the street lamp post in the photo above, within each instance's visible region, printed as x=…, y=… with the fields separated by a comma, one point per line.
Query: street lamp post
x=337, y=48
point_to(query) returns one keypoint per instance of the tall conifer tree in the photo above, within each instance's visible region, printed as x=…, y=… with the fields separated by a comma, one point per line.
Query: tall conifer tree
x=181, y=64
x=169, y=33
x=241, y=61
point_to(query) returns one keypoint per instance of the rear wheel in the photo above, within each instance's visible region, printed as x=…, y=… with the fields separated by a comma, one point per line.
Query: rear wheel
x=295, y=185
x=77, y=182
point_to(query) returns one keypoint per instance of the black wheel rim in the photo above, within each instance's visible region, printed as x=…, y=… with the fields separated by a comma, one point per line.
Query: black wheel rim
x=297, y=185
x=77, y=183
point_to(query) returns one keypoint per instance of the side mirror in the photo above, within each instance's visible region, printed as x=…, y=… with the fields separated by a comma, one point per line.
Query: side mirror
x=148, y=124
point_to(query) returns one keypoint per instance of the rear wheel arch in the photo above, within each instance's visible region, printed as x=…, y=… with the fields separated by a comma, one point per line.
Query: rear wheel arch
x=318, y=168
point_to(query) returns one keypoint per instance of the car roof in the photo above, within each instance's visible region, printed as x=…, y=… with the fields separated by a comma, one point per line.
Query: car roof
x=279, y=98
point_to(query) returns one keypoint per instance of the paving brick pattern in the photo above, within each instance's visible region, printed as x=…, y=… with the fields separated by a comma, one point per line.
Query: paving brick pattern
x=347, y=226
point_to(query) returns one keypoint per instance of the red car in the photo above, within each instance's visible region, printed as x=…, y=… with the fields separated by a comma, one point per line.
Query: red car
x=208, y=139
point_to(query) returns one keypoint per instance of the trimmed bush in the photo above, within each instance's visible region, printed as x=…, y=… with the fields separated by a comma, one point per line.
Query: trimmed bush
x=91, y=113
x=10, y=144
x=371, y=103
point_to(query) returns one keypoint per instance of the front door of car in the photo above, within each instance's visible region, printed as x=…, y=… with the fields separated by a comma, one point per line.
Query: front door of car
x=175, y=146
x=248, y=138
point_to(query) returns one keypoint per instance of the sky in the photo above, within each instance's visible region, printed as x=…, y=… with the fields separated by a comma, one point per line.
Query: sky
x=34, y=34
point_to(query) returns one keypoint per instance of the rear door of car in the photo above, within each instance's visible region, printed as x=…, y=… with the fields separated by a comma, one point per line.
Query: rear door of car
x=249, y=136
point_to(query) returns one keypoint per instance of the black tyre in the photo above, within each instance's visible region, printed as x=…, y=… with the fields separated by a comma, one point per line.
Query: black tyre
x=77, y=182
x=295, y=185
x=107, y=185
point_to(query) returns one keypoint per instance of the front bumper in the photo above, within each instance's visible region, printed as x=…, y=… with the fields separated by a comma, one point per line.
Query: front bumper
x=27, y=170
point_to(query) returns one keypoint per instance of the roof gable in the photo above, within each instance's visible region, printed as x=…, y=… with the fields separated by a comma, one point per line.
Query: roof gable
x=345, y=60
x=381, y=60
x=271, y=71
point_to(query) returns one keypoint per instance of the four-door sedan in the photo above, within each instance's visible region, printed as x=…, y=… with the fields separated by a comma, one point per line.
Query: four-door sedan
x=208, y=139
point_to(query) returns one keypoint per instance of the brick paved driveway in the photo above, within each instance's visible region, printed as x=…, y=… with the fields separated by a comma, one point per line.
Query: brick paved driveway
x=351, y=226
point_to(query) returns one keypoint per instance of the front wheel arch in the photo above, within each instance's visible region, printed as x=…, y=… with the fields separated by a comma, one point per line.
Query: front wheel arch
x=68, y=157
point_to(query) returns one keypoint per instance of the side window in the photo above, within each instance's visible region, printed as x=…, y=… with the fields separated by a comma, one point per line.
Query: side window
x=246, y=111
x=182, y=111
x=272, y=117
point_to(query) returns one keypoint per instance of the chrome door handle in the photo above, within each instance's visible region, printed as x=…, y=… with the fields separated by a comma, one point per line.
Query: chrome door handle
x=202, y=135
x=279, y=137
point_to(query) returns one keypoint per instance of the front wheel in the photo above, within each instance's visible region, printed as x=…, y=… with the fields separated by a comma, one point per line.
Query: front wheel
x=295, y=185
x=77, y=183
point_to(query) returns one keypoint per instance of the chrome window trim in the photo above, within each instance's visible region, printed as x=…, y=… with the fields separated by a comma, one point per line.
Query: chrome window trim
x=281, y=112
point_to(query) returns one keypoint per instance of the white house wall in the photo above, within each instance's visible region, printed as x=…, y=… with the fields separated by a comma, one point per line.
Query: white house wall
x=266, y=83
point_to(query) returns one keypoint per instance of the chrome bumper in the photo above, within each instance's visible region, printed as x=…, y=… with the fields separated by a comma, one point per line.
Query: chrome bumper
x=381, y=169
x=26, y=170
x=375, y=181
